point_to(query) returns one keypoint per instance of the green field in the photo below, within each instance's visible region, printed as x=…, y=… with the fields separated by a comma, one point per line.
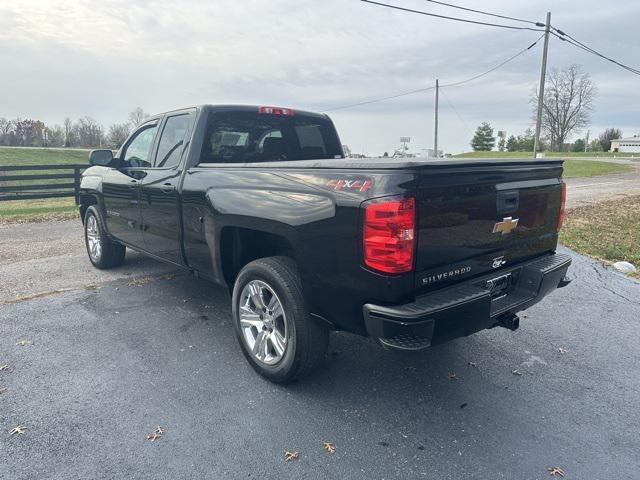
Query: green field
x=42, y=156
x=22, y=210
x=589, y=168
x=494, y=154
x=573, y=165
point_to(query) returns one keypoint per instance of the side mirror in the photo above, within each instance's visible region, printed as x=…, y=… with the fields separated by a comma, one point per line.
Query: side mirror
x=102, y=158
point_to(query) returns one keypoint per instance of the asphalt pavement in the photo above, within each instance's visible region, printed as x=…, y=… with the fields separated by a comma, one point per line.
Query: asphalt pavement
x=101, y=368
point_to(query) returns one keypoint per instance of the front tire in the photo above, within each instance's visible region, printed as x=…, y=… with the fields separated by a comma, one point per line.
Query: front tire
x=277, y=335
x=103, y=252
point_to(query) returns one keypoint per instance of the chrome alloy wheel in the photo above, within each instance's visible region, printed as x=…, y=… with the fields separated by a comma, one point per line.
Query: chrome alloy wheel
x=93, y=239
x=263, y=322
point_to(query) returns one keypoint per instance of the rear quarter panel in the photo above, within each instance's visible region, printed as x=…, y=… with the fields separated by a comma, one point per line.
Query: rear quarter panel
x=317, y=212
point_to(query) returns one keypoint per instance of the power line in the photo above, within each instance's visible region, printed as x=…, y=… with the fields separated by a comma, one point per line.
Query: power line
x=537, y=24
x=446, y=97
x=565, y=37
x=426, y=89
x=521, y=52
x=395, y=7
x=382, y=99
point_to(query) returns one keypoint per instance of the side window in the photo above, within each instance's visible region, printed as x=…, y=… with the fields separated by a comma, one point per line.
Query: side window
x=172, y=140
x=138, y=151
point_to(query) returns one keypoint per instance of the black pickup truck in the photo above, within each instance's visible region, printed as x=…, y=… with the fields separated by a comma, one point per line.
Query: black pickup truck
x=261, y=200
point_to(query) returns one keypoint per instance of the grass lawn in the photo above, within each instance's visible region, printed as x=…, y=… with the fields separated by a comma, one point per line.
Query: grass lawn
x=590, y=168
x=33, y=210
x=37, y=210
x=40, y=156
x=608, y=230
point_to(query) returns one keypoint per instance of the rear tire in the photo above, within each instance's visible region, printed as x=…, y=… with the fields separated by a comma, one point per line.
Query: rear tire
x=276, y=333
x=103, y=252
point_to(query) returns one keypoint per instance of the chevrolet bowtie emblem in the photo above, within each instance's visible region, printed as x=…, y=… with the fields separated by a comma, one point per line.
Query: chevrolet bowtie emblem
x=505, y=226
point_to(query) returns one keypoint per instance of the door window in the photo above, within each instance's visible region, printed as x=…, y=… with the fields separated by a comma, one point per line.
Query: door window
x=172, y=140
x=138, y=150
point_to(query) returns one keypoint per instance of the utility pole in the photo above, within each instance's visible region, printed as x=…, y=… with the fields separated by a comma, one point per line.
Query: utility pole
x=435, y=127
x=543, y=74
x=586, y=142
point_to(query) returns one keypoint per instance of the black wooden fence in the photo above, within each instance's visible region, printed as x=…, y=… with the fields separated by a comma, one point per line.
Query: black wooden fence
x=25, y=186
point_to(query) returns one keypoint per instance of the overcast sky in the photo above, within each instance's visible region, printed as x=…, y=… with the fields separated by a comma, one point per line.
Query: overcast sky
x=102, y=58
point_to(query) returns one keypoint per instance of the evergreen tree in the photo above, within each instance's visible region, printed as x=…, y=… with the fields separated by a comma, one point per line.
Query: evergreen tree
x=483, y=140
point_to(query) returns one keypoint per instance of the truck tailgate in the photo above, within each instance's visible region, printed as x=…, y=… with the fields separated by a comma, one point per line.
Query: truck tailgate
x=473, y=219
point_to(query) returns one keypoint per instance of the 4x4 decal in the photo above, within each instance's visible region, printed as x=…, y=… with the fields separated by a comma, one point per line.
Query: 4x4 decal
x=343, y=184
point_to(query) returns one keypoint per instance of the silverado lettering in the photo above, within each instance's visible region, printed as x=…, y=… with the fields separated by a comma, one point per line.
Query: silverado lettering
x=445, y=275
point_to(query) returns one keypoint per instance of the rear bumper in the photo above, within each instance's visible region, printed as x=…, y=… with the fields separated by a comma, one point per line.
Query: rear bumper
x=467, y=307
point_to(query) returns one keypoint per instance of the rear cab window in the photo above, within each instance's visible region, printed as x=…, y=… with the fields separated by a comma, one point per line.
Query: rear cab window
x=246, y=137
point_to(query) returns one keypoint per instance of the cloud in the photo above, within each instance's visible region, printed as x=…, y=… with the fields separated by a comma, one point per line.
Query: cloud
x=102, y=58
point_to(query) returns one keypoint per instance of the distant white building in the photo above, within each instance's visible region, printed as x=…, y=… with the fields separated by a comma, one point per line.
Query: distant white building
x=630, y=145
x=431, y=153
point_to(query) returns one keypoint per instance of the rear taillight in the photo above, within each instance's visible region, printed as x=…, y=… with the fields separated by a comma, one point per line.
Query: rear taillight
x=563, y=201
x=388, y=234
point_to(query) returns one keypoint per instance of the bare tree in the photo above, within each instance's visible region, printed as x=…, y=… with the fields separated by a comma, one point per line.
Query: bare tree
x=606, y=137
x=118, y=133
x=136, y=116
x=567, y=104
x=55, y=136
x=68, y=132
x=89, y=132
x=6, y=127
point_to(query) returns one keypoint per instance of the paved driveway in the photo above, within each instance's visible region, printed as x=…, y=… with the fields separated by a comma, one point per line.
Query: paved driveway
x=110, y=364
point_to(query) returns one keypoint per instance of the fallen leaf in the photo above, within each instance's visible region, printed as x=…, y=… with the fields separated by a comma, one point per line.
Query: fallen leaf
x=562, y=350
x=156, y=434
x=19, y=430
x=329, y=447
x=138, y=282
x=517, y=372
x=453, y=376
x=553, y=471
x=288, y=456
x=24, y=343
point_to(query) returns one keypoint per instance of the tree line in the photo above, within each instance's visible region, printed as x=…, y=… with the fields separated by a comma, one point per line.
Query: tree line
x=484, y=140
x=566, y=108
x=84, y=132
